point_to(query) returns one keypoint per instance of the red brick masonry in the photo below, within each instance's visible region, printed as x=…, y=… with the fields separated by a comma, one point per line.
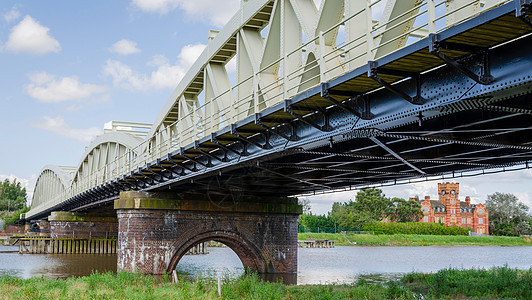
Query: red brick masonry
x=83, y=230
x=153, y=241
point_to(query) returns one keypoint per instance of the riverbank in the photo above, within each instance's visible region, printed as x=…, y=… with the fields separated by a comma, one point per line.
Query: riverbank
x=417, y=240
x=494, y=283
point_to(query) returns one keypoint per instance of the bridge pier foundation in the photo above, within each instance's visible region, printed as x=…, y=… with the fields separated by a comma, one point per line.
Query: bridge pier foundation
x=70, y=225
x=157, y=229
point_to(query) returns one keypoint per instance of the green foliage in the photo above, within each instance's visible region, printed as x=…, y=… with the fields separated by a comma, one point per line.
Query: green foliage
x=370, y=206
x=12, y=196
x=325, y=229
x=406, y=211
x=429, y=240
x=507, y=216
x=311, y=220
x=13, y=217
x=496, y=283
x=415, y=228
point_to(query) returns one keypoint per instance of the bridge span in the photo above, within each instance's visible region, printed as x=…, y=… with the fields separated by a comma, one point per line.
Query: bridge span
x=350, y=94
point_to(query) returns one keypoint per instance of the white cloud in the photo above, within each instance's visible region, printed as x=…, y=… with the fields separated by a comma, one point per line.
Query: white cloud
x=31, y=37
x=58, y=126
x=12, y=15
x=46, y=88
x=124, y=47
x=166, y=75
x=215, y=12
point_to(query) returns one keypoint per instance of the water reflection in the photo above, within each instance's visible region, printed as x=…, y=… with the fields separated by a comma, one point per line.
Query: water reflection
x=220, y=261
x=53, y=265
x=333, y=265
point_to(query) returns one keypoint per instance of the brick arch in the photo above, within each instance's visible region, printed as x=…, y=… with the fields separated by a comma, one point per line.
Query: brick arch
x=250, y=255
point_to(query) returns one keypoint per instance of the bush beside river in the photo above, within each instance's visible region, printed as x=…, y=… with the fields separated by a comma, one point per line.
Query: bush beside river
x=418, y=240
x=494, y=283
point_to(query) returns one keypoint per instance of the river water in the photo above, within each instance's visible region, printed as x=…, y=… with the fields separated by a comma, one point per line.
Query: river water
x=333, y=265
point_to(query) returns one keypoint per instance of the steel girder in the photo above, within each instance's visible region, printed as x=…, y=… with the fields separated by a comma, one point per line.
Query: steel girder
x=450, y=122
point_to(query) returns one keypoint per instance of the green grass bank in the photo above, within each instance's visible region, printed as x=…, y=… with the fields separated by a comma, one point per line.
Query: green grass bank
x=469, y=284
x=418, y=240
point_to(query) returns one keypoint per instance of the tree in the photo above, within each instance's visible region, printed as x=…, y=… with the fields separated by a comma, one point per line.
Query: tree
x=305, y=204
x=370, y=206
x=507, y=215
x=311, y=221
x=373, y=203
x=12, y=196
x=406, y=211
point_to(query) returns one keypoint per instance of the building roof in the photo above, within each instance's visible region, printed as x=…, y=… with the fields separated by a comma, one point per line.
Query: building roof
x=434, y=204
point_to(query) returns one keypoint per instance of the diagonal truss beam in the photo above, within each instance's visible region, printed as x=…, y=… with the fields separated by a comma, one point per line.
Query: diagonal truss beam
x=383, y=146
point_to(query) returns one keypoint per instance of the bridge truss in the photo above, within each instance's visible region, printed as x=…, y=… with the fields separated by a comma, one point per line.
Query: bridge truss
x=345, y=95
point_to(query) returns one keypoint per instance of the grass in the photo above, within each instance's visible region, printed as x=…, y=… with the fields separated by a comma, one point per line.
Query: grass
x=338, y=238
x=419, y=240
x=475, y=284
x=496, y=283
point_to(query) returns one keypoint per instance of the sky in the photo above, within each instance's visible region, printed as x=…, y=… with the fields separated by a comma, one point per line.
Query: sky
x=69, y=67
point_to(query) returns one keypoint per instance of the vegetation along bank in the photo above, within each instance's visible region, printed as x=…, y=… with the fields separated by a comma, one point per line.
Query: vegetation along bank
x=501, y=283
x=416, y=240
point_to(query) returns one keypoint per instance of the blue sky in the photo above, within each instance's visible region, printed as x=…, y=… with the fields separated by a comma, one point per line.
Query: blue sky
x=69, y=67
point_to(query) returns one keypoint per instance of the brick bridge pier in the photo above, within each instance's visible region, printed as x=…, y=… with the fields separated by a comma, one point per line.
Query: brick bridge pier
x=155, y=229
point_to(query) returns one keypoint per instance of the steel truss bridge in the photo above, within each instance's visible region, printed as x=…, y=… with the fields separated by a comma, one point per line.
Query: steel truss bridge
x=350, y=94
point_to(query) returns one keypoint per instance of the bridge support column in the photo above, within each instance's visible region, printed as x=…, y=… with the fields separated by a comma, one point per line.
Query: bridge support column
x=157, y=229
x=64, y=224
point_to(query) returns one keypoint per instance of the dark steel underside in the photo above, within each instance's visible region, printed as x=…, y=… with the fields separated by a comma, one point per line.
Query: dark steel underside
x=456, y=102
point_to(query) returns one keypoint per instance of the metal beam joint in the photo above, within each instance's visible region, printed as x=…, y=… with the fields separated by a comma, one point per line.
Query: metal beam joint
x=436, y=45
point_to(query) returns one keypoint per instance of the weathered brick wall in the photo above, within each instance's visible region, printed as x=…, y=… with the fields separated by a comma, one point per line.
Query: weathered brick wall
x=12, y=229
x=153, y=241
x=83, y=230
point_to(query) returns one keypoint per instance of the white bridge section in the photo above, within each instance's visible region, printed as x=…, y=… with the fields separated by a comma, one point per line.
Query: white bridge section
x=282, y=48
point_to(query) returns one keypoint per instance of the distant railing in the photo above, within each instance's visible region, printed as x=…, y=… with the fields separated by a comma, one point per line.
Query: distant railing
x=306, y=229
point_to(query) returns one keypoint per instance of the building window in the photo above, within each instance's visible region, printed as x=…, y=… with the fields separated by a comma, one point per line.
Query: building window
x=437, y=220
x=463, y=220
x=443, y=219
x=468, y=220
x=480, y=220
x=426, y=219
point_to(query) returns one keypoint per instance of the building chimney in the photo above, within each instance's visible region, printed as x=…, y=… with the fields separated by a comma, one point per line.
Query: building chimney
x=468, y=201
x=427, y=198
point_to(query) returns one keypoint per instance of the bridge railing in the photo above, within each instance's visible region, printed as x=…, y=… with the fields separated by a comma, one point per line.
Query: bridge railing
x=370, y=31
x=347, y=54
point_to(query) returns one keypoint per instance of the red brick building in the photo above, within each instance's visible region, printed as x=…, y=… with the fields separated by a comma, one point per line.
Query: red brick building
x=449, y=210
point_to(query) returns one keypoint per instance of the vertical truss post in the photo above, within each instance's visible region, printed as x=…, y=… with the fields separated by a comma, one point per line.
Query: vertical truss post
x=369, y=36
x=431, y=8
x=321, y=42
x=523, y=7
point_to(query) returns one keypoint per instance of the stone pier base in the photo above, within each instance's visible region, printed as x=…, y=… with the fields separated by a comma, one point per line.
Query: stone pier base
x=156, y=230
x=71, y=225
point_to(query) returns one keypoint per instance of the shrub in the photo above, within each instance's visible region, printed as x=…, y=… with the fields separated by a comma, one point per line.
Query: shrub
x=415, y=228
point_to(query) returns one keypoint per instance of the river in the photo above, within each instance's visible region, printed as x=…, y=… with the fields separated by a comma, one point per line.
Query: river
x=342, y=264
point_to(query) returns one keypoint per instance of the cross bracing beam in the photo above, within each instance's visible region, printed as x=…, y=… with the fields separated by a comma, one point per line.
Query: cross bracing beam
x=442, y=87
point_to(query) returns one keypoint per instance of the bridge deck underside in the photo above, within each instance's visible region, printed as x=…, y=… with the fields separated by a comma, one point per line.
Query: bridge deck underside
x=353, y=132
x=434, y=148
